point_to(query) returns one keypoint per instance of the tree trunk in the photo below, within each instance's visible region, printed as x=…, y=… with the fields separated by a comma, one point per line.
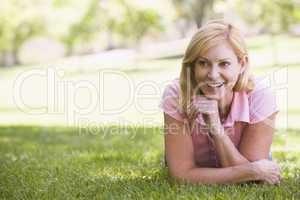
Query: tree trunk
x=8, y=59
x=110, y=44
x=15, y=55
x=202, y=10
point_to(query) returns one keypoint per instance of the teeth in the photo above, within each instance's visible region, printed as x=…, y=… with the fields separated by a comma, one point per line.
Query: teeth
x=215, y=84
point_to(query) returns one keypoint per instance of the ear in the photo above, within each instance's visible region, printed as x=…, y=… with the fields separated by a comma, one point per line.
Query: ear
x=244, y=63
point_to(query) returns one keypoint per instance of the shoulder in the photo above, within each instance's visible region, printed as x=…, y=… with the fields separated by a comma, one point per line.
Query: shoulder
x=172, y=89
x=170, y=100
x=262, y=90
x=262, y=101
x=260, y=84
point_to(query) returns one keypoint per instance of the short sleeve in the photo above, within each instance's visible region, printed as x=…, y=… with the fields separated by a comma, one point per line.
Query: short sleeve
x=262, y=103
x=169, y=102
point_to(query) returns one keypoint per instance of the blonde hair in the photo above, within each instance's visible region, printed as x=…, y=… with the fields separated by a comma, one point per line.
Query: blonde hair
x=211, y=34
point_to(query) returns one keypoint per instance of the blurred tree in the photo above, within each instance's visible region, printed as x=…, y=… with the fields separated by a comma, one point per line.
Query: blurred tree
x=74, y=22
x=274, y=16
x=19, y=21
x=86, y=28
x=129, y=22
x=118, y=18
x=193, y=10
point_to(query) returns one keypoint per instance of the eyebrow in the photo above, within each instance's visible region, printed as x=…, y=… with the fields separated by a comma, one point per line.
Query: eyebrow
x=222, y=59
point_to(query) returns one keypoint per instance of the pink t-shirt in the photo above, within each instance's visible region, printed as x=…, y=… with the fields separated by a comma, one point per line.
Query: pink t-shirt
x=246, y=108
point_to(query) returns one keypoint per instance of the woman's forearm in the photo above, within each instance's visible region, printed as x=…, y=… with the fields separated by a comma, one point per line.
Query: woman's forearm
x=235, y=174
x=227, y=152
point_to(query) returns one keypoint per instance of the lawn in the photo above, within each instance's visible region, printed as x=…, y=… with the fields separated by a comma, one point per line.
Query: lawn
x=49, y=156
x=116, y=163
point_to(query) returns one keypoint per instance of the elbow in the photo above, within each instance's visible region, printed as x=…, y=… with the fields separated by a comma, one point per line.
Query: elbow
x=181, y=171
x=181, y=175
x=177, y=174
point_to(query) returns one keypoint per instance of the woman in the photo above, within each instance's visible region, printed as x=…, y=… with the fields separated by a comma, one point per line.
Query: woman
x=219, y=121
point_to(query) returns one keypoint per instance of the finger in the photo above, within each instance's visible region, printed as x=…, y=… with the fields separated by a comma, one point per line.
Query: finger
x=267, y=181
x=206, y=105
x=213, y=102
x=279, y=179
x=275, y=180
x=204, y=100
x=207, y=109
x=271, y=181
x=277, y=173
x=278, y=176
x=279, y=168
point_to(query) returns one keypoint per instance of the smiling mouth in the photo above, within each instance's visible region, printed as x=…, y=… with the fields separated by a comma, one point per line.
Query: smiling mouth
x=215, y=85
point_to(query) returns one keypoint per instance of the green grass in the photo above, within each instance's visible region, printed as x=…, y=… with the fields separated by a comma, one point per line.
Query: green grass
x=55, y=162
x=116, y=163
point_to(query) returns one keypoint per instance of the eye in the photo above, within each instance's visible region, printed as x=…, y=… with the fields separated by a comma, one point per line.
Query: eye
x=224, y=64
x=202, y=63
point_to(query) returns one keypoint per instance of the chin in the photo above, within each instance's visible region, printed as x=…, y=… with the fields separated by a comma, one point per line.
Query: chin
x=212, y=96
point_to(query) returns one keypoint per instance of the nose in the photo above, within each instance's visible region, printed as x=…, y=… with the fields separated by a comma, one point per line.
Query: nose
x=213, y=73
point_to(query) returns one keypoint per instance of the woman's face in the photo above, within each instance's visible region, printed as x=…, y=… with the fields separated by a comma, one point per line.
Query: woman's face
x=217, y=70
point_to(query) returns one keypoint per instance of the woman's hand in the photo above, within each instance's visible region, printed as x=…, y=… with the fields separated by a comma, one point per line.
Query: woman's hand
x=267, y=171
x=209, y=110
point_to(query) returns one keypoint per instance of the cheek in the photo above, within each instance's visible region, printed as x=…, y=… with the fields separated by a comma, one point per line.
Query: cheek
x=231, y=77
x=200, y=74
